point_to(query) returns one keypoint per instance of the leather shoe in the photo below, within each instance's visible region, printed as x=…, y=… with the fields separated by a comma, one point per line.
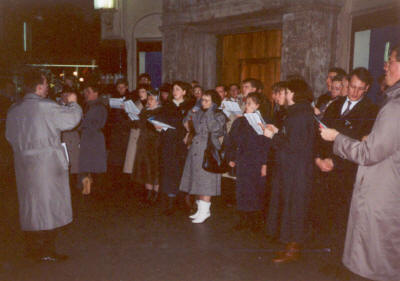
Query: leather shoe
x=53, y=257
x=291, y=254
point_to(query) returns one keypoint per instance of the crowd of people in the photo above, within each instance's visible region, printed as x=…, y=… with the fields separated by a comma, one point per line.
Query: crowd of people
x=293, y=169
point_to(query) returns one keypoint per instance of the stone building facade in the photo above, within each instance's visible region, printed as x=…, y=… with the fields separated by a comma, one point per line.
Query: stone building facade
x=316, y=34
x=191, y=29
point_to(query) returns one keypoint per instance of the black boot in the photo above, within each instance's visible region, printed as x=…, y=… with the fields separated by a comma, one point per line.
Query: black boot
x=256, y=220
x=154, y=197
x=171, y=206
x=242, y=223
x=149, y=195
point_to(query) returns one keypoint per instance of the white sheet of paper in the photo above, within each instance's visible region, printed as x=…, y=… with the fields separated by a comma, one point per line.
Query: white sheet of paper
x=230, y=108
x=259, y=115
x=161, y=124
x=64, y=145
x=133, y=117
x=130, y=107
x=254, y=121
x=116, y=103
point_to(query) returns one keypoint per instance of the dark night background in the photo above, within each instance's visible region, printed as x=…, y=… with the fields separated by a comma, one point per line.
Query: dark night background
x=62, y=32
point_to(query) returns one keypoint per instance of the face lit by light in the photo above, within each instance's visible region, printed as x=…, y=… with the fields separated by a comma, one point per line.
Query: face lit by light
x=142, y=94
x=122, y=89
x=43, y=89
x=336, y=88
x=357, y=88
x=221, y=92
x=251, y=106
x=178, y=93
x=90, y=94
x=247, y=88
x=152, y=101
x=164, y=96
x=328, y=81
x=197, y=92
x=392, y=70
x=206, y=102
x=281, y=97
x=345, y=87
x=234, y=91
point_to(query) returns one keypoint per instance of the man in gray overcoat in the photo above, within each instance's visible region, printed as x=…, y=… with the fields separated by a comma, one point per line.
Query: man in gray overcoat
x=372, y=247
x=33, y=128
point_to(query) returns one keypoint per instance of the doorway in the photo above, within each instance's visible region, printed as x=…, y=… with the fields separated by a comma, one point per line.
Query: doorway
x=149, y=60
x=251, y=55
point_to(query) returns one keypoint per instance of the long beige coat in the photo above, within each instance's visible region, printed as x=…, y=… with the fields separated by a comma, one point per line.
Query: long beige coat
x=131, y=149
x=372, y=247
x=34, y=128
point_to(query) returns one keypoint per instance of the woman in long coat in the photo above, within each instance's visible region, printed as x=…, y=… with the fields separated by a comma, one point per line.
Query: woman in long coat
x=294, y=145
x=248, y=152
x=195, y=180
x=118, y=129
x=131, y=149
x=173, y=148
x=146, y=170
x=372, y=247
x=92, y=157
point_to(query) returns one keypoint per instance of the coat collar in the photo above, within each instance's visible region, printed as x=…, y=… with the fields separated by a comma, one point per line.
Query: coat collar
x=32, y=96
x=393, y=91
x=355, y=108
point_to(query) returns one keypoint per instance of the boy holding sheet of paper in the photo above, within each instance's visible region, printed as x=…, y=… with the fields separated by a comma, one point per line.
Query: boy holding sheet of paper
x=247, y=150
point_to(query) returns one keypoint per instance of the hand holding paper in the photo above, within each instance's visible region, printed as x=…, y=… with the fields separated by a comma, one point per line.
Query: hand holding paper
x=116, y=103
x=254, y=121
x=160, y=125
x=230, y=108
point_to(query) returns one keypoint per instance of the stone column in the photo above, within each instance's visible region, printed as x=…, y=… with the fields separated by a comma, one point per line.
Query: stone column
x=309, y=44
x=189, y=55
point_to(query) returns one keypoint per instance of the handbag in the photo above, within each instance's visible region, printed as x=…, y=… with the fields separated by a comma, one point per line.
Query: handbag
x=214, y=159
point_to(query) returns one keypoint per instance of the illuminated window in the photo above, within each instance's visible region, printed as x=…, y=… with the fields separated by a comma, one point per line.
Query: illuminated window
x=104, y=4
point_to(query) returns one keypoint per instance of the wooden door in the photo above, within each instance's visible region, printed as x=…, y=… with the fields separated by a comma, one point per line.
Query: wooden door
x=252, y=55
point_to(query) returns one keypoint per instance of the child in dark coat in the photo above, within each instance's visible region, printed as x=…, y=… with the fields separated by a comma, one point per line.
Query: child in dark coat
x=248, y=152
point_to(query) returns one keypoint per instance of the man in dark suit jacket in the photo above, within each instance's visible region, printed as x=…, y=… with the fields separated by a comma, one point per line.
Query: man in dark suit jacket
x=326, y=99
x=352, y=116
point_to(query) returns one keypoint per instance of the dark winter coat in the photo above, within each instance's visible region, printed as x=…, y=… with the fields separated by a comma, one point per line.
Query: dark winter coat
x=294, y=146
x=173, y=149
x=249, y=151
x=147, y=161
x=92, y=156
x=118, y=132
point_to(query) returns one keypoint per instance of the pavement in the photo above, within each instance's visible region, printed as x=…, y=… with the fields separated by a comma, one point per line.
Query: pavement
x=116, y=238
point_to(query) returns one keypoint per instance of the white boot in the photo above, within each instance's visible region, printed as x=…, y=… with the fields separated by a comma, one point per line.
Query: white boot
x=197, y=212
x=204, y=212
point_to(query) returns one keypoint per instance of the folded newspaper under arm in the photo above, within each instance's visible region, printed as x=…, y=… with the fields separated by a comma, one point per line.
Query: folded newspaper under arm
x=64, y=145
x=231, y=108
x=163, y=126
x=116, y=103
x=254, y=121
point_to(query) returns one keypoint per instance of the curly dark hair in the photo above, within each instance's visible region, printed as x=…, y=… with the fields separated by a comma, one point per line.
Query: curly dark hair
x=256, y=97
x=302, y=92
x=215, y=98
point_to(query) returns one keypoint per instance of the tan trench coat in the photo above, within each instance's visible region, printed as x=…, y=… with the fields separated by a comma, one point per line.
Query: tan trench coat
x=132, y=144
x=34, y=128
x=372, y=247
